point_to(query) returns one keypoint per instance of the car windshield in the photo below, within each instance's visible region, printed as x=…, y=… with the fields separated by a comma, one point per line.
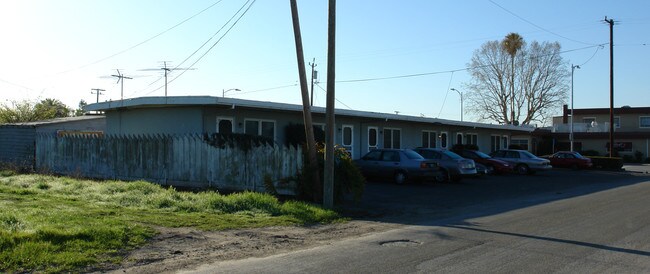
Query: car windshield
x=578, y=155
x=482, y=155
x=528, y=154
x=451, y=154
x=412, y=154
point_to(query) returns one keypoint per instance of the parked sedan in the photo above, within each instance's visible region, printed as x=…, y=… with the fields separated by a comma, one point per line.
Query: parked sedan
x=570, y=159
x=523, y=161
x=492, y=165
x=399, y=164
x=453, y=166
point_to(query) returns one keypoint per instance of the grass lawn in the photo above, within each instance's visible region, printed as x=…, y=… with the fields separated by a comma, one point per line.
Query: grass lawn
x=57, y=224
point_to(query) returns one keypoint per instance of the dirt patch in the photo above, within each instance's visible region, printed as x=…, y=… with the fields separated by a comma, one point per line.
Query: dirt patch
x=174, y=249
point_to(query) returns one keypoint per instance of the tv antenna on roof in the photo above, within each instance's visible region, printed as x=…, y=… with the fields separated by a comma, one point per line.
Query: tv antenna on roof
x=166, y=69
x=120, y=78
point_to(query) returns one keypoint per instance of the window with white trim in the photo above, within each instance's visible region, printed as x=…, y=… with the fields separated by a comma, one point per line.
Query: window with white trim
x=495, y=142
x=459, y=138
x=644, y=121
x=373, y=138
x=443, y=140
x=505, y=141
x=225, y=125
x=520, y=143
x=428, y=139
x=471, y=139
x=392, y=137
x=348, y=138
x=264, y=128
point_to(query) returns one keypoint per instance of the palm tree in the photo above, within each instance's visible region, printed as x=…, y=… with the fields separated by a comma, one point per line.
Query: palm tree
x=512, y=44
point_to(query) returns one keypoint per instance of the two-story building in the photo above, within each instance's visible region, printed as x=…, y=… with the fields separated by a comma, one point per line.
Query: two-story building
x=591, y=130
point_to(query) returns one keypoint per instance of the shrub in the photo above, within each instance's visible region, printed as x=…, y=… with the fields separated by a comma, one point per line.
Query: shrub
x=638, y=156
x=614, y=163
x=347, y=177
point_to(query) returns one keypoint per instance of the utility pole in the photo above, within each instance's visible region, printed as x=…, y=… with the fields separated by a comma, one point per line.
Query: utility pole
x=97, y=91
x=328, y=189
x=306, y=108
x=571, y=138
x=167, y=70
x=611, y=85
x=313, y=75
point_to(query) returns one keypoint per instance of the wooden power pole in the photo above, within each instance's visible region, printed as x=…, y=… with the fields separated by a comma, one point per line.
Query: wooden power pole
x=306, y=109
x=328, y=190
x=611, y=86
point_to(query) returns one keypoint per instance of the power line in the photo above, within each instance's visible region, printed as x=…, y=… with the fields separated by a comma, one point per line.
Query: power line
x=143, y=42
x=334, y=98
x=215, y=43
x=447, y=71
x=537, y=26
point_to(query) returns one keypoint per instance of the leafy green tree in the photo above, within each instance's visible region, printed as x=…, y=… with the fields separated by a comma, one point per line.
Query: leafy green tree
x=80, y=110
x=52, y=108
x=27, y=111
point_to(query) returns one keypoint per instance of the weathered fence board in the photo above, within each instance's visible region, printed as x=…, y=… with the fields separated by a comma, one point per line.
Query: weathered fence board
x=170, y=160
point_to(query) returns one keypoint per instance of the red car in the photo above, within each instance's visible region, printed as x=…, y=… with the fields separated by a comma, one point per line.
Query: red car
x=570, y=159
x=492, y=165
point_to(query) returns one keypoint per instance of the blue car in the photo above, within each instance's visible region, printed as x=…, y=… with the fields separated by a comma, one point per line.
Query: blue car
x=399, y=164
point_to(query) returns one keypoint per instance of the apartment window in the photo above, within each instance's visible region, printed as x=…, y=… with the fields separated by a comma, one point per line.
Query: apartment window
x=459, y=138
x=264, y=128
x=505, y=141
x=373, y=138
x=428, y=139
x=495, y=142
x=443, y=140
x=617, y=122
x=471, y=139
x=520, y=143
x=590, y=121
x=348, y=138
x=644, y=121
x=392, y=137
x=224, y=125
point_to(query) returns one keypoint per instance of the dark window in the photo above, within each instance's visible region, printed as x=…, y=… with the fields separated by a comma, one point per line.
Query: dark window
x=372, y=137
x=252, y=127
x=225, y=126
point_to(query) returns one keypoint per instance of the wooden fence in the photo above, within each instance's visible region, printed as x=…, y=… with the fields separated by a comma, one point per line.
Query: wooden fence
x=187, y=161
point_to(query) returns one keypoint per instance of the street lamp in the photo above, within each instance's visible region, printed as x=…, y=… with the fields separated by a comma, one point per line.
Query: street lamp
x=226, y=90
x=461, y=103
x=573, y=68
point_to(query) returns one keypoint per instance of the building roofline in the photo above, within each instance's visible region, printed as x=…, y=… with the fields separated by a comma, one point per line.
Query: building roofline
x=56, y=120
x=145, y=102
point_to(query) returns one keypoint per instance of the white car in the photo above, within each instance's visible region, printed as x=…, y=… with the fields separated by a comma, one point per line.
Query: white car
x=523, y=161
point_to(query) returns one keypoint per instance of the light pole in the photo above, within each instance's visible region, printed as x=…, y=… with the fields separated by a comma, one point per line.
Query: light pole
x=573, y=68
x=226, y=90
x=461, y=103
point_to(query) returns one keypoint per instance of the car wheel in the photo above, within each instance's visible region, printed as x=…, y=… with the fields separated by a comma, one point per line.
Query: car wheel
x=523, y=169
x=490, y=169
x=400, y=178
x=442, y=176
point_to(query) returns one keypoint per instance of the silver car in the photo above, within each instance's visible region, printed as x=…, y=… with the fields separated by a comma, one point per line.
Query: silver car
x=454, y=167
x=523, y=161
x=399, y=164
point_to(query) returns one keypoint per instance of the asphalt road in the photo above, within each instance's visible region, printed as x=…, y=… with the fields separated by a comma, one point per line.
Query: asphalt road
x=561, y=221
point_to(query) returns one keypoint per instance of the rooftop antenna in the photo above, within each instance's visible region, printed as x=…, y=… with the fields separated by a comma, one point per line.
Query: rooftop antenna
x=120, y=78
x=97, y=91
x=166, y=70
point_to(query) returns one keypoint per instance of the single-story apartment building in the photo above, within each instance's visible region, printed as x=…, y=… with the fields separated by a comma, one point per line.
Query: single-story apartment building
x=357, y=131
x=17, y=139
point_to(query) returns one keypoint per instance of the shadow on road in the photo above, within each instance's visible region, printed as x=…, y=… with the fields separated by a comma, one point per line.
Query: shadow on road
x=422, y=204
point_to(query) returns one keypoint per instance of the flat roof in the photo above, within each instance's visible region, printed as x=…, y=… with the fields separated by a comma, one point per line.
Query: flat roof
x=174, y=101
x=57, y=120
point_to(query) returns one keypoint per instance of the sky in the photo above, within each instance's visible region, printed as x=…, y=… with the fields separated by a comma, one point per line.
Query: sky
x=65, y=48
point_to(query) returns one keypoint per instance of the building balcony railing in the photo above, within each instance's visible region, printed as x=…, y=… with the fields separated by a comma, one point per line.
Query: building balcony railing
x=581, y=127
